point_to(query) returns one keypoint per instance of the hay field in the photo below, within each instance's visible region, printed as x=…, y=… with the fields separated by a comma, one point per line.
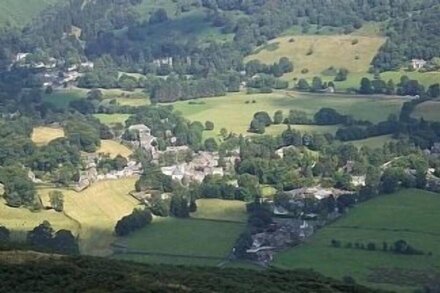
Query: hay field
x=43, y=135
x=21, y=220
x=97, y=210
x=113, y=148
x=317, y=53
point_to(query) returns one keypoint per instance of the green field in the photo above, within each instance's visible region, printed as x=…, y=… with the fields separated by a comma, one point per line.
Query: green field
x=111, y=119
x=373, y=142
x=331, y=49
x=327, y=50
x=185, y=241
x=205, y=239
x=235, y=111
x=429, y=110
x=21, y=12
x=217, y=209
x=411, y=215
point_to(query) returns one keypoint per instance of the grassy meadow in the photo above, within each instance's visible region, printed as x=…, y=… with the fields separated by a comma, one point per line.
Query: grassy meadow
x=411, y=215
x=112, y=119
x=217, y=209
x=44, y=135
x=317, y=53
x=373, y=142
x=429, y=110
x=235, y=111
x=205, y=239
x=21, y=220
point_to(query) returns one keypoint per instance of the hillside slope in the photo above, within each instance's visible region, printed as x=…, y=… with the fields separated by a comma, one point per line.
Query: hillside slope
x=20, y=12
x=22, y=273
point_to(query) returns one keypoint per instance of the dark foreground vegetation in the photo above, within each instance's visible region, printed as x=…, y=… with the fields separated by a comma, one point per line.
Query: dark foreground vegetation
x=84, y=274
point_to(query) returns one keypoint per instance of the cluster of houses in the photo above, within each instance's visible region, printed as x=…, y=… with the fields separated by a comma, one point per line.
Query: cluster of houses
x=53, y=72
x=201, y=164
x=282, y=234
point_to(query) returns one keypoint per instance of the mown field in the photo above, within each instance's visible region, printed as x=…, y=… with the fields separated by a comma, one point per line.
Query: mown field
x=113, y=148
x=205, y=239
x=234, y=112
x=429, y=110
x=21, y=12
x=96, y=210
x=44, y=135
x=317, y=53
x=410, y=215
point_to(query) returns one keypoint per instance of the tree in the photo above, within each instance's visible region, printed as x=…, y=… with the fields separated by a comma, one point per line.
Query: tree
x=303, y=85
x=159, y=16
x=192, y=206
x=136, y=220
x=57, y=200
x=366, y=87
x=316, y=84
x=41, y=236
x=211, y=145
x=64, y=242
x=341, y=75
x=390, y=181
x=209, y=125
x=434, y=90
x=263, y=117
x=179, y=205
x=278, y=117
x=4, y=234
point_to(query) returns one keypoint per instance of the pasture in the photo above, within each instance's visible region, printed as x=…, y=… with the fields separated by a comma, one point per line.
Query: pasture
x=44, y=135
x=217, y=209
x=96, y=210
x=235, y=111
x=204, y=239
x=318, y=53
x=113, y=148
x=184, y=241
x=410, y=215
x=372, y=142
x=21, y=220
x=429, y=110
x=112, y=119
